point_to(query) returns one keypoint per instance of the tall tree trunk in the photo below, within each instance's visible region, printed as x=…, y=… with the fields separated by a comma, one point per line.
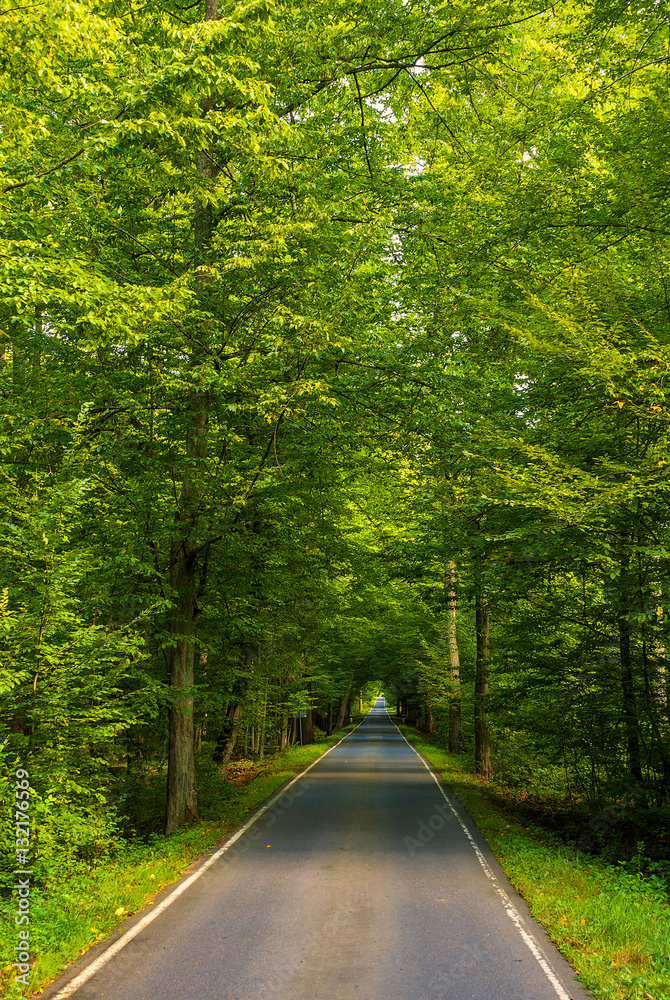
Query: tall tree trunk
x=482, y=732
x=227, y=738
x=629, y=704
x=345, y=701
x=226, y=743
x=181, y=805
x=454, y=658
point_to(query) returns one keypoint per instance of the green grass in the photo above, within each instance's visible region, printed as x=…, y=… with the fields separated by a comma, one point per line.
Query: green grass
x=67, y=919
x=611, y=923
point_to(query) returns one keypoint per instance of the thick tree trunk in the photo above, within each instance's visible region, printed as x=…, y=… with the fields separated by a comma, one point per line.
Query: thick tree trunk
x=344, y=703
x=181, y=804
x=454, y=658
x=482, y=732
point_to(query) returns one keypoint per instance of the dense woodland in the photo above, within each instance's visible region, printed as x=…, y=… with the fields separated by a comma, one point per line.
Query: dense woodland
x=335, y=359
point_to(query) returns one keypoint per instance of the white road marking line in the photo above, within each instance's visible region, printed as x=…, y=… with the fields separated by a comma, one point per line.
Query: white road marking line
x=510, y=909
x=115, y=948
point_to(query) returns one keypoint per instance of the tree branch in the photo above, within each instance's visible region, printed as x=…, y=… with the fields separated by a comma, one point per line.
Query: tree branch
x=45, y=173
x=261, y=464
x=365, y=142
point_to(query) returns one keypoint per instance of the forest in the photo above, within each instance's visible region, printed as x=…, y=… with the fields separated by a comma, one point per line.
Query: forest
x=335, y=348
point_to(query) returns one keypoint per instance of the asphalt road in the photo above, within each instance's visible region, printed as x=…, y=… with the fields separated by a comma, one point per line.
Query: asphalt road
x=359, y=883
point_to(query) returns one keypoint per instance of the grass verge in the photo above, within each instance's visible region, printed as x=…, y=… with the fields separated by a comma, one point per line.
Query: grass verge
x=67, y=919
x=611, y=923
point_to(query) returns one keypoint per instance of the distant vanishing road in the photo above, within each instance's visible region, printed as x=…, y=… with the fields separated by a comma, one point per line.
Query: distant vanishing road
x=359, y=883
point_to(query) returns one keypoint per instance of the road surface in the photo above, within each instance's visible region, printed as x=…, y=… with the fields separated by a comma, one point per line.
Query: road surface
x=366, y=880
